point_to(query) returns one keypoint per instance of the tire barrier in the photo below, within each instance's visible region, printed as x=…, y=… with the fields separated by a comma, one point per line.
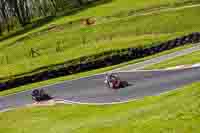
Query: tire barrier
x=96, y=61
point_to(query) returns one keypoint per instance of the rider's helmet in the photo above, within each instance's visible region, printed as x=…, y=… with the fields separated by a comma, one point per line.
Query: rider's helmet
x=35, y=92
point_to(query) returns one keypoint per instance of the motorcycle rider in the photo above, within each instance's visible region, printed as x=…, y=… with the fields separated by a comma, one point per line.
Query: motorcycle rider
x=40, y=95
x=112, y=80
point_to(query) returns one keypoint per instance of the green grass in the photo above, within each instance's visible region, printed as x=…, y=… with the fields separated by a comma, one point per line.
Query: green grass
x=188, y=59
x=84, y=74
x=27, y=64
x=107, y=9
x=174, y=112
x=123, y=6
x=128, y=32
x=103, y=10
x=177, y=111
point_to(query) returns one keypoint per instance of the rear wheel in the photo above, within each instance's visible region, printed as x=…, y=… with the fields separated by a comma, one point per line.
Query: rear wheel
x=124, y=84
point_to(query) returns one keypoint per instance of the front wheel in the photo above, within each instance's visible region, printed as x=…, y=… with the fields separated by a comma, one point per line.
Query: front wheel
x=47, y=97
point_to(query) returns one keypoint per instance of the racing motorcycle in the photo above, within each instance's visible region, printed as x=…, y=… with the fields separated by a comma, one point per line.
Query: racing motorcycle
x=39, y=95
x=113, y=81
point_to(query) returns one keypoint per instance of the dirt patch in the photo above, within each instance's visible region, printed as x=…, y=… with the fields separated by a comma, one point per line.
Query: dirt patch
x=47, y=103
x=55, y=28
x=88, y=21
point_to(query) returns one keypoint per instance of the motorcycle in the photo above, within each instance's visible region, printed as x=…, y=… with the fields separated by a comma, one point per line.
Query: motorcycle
x=39, y=95
x=113, y=81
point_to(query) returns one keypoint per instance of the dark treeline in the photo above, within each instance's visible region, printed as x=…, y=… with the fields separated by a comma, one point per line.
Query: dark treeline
x=16, y=13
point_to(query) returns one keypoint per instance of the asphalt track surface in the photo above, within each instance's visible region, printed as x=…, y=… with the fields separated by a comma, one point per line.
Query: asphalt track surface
x=92, y=89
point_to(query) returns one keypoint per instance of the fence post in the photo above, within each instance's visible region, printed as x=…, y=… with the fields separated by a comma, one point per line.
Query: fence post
x=4, y=59
x=7, y=61
x=84, y=40
x=34, y=53
x=58, y=46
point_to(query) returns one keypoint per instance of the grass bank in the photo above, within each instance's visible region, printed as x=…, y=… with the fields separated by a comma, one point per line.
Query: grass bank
x=75, y=43
x=100, y=10
x=177, y=111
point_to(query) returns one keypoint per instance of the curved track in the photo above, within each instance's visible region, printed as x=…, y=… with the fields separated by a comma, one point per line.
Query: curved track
x=92, y=89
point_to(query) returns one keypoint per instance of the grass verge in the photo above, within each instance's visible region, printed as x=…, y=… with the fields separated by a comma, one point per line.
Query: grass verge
x=177, y=111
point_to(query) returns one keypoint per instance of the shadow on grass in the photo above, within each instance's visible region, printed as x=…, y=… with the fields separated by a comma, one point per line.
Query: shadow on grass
x=46, y=20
